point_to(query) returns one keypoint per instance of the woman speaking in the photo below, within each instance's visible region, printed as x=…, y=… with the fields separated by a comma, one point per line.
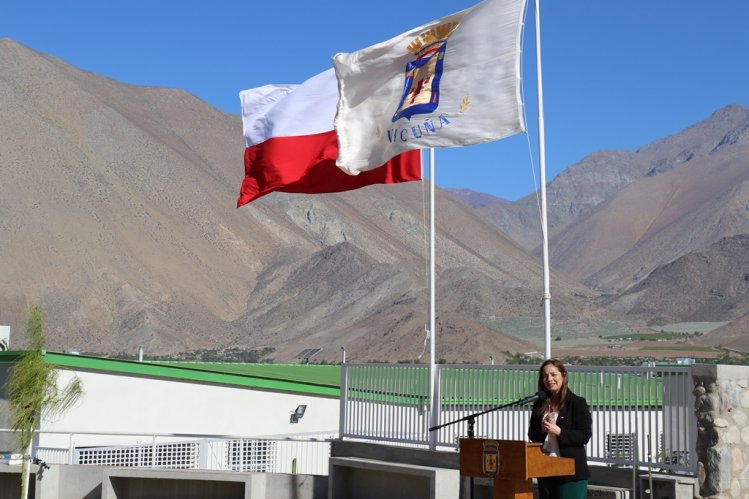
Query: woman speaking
x=562, y=422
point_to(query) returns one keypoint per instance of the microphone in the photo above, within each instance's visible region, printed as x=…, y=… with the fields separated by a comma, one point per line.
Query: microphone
x=540, y=395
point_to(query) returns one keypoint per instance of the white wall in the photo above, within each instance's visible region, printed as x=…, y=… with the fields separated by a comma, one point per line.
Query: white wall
x=121, y=403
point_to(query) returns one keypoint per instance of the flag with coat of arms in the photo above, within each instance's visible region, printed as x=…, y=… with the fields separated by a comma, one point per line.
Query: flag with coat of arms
x=452, y=82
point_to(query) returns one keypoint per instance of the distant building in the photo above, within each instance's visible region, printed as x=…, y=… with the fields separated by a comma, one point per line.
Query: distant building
x=667, y=363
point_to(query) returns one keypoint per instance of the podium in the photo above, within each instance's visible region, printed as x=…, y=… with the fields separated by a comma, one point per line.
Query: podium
x=512, y=464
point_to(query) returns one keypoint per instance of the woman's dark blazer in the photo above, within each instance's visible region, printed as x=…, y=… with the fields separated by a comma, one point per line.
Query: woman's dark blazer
x=575, y=422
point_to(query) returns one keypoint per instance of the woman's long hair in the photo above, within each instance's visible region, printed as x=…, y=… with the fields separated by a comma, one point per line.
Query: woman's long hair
x=561, y=396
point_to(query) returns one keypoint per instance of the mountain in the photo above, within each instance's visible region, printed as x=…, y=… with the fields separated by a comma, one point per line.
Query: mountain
x=616, y=216
x=686, y=207
x=472, y=198
x=117, y=215
x=573, y=194
x=730, y=336
x=702, y=286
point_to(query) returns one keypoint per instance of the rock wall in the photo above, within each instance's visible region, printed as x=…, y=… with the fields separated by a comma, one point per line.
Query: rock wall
x=722, y=409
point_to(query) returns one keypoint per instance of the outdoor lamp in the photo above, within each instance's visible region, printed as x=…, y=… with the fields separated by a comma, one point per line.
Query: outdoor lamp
x=298, y=413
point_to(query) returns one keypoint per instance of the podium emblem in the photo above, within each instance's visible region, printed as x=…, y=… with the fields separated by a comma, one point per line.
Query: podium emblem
x=490, y=458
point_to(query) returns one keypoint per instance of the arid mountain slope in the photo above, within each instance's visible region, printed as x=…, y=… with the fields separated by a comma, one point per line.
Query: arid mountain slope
x=570, y=196
x=734, y=335
x=117, y=215
x=472, y=198
x=706, y=286
x=657, y=219
x=616, y=216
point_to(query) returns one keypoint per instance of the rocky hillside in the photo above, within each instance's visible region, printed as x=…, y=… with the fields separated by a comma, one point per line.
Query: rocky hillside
x=703, y=286
x=117, y=215
x=615, y=216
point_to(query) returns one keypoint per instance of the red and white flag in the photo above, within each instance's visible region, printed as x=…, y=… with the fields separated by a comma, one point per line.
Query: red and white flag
x=291, y=145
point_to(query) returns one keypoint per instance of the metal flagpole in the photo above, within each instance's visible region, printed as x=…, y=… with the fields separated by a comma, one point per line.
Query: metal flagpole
x=542, y=168
x=433, y=406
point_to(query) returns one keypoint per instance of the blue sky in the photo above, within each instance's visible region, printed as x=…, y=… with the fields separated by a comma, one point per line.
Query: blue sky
x=617, y=75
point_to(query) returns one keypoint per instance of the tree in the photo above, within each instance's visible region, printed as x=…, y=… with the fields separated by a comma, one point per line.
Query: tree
x=33, y=392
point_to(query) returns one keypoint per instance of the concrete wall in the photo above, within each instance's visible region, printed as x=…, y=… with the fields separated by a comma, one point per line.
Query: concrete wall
x=99, y=482
x=722, y=409
x=122, y=403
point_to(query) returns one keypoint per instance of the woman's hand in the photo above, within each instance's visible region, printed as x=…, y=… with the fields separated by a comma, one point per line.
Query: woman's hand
x=551, y=428
x=548, y=425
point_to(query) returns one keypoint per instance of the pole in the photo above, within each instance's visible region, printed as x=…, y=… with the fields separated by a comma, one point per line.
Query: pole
x=433, y=409
x=542, y=168
x=26, y=465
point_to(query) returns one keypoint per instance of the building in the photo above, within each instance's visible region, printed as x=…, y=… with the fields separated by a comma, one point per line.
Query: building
x=129, y=402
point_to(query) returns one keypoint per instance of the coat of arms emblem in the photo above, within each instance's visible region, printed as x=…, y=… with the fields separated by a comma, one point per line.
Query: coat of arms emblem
x=421, y=89
x=490, y=458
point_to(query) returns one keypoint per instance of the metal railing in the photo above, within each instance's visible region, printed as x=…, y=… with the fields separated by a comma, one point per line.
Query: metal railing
x=306, y=454
x=641, y=415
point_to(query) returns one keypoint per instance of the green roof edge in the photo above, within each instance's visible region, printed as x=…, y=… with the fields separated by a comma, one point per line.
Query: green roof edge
x=145, y=368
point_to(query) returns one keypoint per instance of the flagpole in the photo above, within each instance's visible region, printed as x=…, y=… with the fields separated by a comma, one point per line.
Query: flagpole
x=542, y=168
x=433, y=406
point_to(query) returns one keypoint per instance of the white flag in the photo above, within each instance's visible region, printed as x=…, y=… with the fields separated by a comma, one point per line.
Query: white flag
x=452, y=82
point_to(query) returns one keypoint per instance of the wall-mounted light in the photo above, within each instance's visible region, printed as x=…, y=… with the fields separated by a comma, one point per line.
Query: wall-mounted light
x=298, y=413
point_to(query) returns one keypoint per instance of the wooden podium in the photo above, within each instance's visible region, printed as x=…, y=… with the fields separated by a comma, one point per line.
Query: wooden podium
x=512, y=464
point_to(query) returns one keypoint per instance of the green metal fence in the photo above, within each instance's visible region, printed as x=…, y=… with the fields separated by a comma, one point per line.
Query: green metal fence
x=641, y=415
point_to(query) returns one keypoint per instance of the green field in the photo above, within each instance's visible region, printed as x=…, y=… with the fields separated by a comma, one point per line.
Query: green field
x=573, y=333
x=681, y=348
x=692, y=327
x=648, y=336
x=563, y=333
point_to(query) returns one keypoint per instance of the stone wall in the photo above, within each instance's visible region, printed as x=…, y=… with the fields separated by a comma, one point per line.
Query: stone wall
x=722, y=409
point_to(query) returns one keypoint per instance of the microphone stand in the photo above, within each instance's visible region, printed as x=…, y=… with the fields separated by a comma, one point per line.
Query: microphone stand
x=471, y=419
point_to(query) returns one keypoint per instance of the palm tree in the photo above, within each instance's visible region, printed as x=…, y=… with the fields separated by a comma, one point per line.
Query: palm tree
x=33, y=392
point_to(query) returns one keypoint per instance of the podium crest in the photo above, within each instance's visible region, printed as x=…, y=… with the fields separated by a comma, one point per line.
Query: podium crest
x=490, y=458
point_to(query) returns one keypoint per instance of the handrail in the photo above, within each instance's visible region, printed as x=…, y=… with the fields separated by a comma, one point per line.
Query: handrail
x=634, y=409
